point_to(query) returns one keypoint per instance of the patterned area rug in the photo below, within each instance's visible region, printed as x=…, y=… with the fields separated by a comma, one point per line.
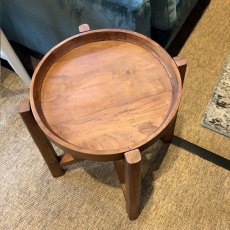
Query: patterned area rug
x=217, y=114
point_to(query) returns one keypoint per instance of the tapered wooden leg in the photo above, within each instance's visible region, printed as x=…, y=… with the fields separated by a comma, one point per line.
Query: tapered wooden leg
x=129, y=174
x=132, y=166
x=181, y=64
x=120, y=169
x=40, y=140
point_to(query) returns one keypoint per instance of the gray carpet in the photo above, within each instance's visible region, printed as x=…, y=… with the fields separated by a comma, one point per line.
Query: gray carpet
x=179, y=190
x=217, y=114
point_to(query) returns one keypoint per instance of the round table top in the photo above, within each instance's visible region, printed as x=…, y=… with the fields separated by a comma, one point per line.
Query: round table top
x=104, y=96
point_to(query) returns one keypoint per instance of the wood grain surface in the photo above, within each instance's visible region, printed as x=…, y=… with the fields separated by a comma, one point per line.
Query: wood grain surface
x=105, y=92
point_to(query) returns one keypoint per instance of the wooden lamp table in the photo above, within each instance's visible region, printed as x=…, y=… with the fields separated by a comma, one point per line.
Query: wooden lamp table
x=103, y=95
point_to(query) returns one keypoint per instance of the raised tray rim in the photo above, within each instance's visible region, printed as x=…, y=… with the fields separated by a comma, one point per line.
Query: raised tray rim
x=111, y=153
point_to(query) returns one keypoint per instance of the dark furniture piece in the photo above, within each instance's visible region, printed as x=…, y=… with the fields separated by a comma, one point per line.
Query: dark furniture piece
x=39, y=25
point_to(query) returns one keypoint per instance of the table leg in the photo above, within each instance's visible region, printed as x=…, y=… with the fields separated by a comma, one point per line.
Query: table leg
x=132, y=163
x=40, y=139
x=168, y=135
x=129, y=174
x=119, y=167
x=181, y=64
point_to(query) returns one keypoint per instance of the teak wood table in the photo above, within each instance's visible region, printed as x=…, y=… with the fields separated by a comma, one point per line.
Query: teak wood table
x=103, y=95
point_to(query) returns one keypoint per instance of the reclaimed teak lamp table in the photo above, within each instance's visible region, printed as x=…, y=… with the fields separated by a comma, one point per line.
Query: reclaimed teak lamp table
x=103, y=95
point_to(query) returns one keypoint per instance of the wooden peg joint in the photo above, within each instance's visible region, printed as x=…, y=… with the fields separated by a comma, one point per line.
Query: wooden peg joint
x=83, y=28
